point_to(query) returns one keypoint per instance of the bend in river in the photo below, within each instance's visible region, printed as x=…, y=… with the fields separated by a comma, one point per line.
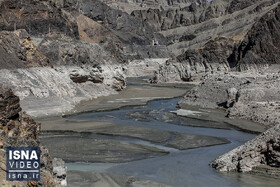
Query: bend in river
x=156, y=142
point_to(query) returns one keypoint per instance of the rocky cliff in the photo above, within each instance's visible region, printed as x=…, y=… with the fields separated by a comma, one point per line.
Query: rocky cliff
x=18, y=51
x=131, y=5
x=20, y=130
x=204, y=21
x=49, y=19
x=196, y=63
x=60, y=71
x=261, y=46
x=255, y=49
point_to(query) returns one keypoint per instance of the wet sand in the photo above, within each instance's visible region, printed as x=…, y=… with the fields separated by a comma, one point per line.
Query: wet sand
x=95, y=141
x=80, y=178
x=131, y=96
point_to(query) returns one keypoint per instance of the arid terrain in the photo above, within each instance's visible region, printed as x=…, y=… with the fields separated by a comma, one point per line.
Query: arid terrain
x=120, y=84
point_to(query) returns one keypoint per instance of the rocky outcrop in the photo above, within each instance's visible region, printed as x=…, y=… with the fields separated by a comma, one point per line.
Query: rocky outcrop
x=79, y=20
x=129, y=29
x=9, y=107
x=20, y=14
x=250, y=96
x=261, y=46
x=172, y=18
x=54, y=90
x=131, y=5
x=18, y=51
x=195, y=63
x=73, y=52
x=254, y=50
x=20, y=130
x=60, y=170
x=264, y=149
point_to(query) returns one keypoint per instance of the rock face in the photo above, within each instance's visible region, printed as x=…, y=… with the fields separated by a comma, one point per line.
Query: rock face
x=49, y=20
x=254, y=50
x=261, y=46
x=20, y=130
x=129, y=29
x=264, y=149
x=251, y=96
x=72, y=52
x=60, y=170
x=9, y=106
x=18, y=51
x=131, y=5
x=204, y=20
x=54, y=90
x=195, y=63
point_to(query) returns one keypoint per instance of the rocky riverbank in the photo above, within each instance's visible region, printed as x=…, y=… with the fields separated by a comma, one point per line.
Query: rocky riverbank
x=242, y=77
x=263, y=150
x=251, y=96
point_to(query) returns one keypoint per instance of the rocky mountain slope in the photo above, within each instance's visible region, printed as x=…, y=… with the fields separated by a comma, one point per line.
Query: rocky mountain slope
x=261, y=46
x=255, y=50
x=192, y=26
x=20, y=130
x=131, y=5
x=252, y=94
x=69, y=52
x=18, y=51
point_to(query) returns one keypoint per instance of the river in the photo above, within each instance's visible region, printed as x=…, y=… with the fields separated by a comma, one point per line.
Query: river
x=179, y=167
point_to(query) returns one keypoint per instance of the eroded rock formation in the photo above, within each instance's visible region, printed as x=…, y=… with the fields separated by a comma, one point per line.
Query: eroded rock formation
x=20, y=130
x=18, y=51
x=261, y=46
x=264, y=149
x=255, y=50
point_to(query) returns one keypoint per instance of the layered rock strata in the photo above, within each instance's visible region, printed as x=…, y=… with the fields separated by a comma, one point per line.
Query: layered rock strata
x=257, y=49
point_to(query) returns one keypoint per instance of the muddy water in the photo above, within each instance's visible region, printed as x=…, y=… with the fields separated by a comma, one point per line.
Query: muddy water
x=179, y=167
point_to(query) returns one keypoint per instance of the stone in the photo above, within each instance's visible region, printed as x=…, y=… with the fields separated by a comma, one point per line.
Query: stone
x=249, y=155
x=232, y=97
x=60, y=170
x=21, y=130
x=9, y=104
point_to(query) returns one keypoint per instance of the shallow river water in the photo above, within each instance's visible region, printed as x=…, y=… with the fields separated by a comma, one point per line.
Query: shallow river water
x=180, y=167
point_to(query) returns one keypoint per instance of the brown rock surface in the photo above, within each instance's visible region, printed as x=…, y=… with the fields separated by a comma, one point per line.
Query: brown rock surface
x=20, y=130
x=18, y=51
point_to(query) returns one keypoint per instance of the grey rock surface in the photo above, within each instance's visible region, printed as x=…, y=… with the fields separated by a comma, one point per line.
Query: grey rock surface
x=256, y=99
x=18, y=51
x=264, y=149
x=60, y=171
x=52, y=91
x=254, y=48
